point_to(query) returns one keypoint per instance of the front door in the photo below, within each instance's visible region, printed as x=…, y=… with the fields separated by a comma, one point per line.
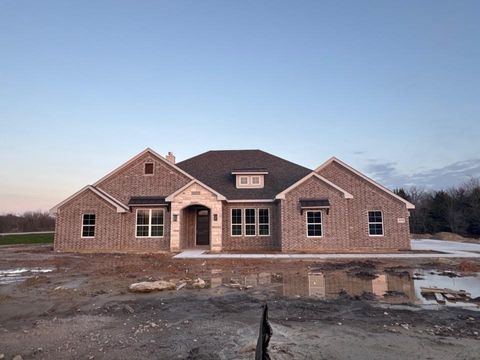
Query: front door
x=203, y=227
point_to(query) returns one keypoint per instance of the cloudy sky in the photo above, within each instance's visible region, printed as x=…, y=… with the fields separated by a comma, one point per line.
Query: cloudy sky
x=390, y=87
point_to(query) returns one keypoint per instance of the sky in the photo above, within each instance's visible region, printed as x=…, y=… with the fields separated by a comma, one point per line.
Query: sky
x=390, y=87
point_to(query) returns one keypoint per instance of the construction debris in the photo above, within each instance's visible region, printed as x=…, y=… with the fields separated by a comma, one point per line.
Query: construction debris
x=199, y=283
x=149, y=286
x=443, y=294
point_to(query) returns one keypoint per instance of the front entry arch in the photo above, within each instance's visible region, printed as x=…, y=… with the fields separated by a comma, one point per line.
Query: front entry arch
x=195, y=229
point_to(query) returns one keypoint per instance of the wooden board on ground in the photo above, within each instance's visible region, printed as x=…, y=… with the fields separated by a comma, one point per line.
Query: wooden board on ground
x=439, y=298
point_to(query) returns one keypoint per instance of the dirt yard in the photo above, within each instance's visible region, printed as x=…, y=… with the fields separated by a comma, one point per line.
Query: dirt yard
x=82, y=308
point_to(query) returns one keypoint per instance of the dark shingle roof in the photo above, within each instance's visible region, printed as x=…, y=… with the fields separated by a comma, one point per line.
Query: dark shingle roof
x=147, y=200
x=214, y=168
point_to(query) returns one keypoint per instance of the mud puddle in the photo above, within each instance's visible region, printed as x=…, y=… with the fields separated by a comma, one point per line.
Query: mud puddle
x=392, y=287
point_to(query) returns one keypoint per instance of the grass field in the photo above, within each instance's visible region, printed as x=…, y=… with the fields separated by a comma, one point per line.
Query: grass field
x=26, y=239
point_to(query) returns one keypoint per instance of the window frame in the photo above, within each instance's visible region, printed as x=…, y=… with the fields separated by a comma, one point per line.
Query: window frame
x=83, y=225
x=150, y=225
x=268, y=223
x=250, y=184
x=255, y=222
x=375, y=222
x=321, y=223
x=231, y=222
x=145, y=168
x=247, y=183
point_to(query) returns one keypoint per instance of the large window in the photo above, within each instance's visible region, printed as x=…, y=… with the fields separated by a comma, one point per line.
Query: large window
x=88, y=225
x=236, y=222
x=263, y=222
x=314, y=223
x=149, y=223
x=375, y=223
x=250, y=222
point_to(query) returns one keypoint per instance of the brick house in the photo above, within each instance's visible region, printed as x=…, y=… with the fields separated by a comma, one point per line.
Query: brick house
x=231, y=200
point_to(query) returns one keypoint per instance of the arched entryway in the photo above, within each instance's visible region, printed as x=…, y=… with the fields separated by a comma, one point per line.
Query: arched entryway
x=195, y=227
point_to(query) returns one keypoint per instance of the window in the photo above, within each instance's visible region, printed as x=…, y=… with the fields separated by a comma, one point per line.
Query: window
x=148, y=168
x=263, y=222
x=88, y=225
x=236, y=222
x=149, y=223
x=375, y=223
x=250, y=181
x=250, y=223
x=314, y=223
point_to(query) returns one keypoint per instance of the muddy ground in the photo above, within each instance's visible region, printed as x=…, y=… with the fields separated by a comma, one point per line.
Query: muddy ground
x=82, y=309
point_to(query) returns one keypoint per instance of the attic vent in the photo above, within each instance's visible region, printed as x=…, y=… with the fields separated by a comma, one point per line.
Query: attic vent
x=148, y=169
x=195, y=192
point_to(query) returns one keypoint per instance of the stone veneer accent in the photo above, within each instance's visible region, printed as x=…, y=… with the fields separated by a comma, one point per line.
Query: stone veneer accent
x=196, y=194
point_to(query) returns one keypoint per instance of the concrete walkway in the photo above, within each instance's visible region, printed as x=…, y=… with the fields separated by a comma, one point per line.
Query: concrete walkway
x=449, y=249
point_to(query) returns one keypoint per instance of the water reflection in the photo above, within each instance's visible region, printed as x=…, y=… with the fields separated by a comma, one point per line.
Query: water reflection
x=391, y=287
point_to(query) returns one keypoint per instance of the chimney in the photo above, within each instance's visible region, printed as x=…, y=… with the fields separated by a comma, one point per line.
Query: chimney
x=170, y=157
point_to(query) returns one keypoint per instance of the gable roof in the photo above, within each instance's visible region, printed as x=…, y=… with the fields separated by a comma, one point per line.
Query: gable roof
x=186, y=186
x=346, y=194
x=214, y=168
x=121, y=208
x=408, y=204
x=151, y=152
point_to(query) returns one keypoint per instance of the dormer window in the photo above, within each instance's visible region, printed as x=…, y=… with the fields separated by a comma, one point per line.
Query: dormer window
x=250, y=178
x=148, y=169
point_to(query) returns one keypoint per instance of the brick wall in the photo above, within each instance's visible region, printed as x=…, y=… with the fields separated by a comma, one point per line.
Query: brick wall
x=116, y=231
x=368, y=197
x=108, y=228
x=113, y=231
x=250, y=242
x=334, y=225
x=131, y=180
x=154, y=244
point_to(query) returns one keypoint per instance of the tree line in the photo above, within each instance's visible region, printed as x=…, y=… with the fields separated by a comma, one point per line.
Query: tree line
x=27, y=222
x=455, y=210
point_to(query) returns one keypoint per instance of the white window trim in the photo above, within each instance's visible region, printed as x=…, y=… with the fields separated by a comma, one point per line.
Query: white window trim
x=231, y=222
x=94, y=226
x=250, y=184
x=149, y=224
x=258, y=221
x=250, y=224
x=376, y=222
x=307, y=223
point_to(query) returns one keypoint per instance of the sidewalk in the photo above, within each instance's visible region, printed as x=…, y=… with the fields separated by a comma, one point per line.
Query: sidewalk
x=451, y=249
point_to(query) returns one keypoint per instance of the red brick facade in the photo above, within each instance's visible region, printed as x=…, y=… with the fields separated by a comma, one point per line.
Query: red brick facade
x=344, y=225
x=368, y=197
x=334, y=224
x=256, y=242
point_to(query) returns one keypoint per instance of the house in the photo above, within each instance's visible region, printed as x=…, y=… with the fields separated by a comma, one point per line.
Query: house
x=231, y=200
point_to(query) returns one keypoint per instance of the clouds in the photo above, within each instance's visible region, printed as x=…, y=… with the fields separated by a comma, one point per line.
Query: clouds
x=388, y=174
